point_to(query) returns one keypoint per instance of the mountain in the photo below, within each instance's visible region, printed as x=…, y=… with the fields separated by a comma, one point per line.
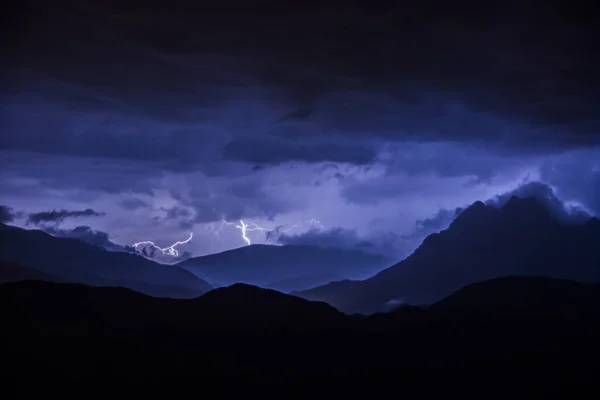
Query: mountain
x=237, y=308
x=272, y=266
x=10, y=272
x=253, y=333
x=518, y=296
x=483, y=242
x=302, y=282
x=69, y=259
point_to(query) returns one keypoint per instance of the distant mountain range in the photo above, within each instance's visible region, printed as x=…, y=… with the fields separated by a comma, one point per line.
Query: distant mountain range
x=521, y=238
x=33, y=254
x=284, y=268
x=498, y=288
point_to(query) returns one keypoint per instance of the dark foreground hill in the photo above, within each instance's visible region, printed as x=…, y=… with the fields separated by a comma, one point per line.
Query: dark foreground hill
x=71, y=260
x=551, y=326
x=483, y=242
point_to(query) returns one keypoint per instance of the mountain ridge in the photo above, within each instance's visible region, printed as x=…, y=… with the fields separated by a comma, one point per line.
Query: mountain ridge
x=243, y=330
x=71, y=259
x=268, y=265
x=483, y=242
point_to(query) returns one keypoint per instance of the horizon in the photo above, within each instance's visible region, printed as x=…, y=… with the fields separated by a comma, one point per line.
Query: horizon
x=572, y=211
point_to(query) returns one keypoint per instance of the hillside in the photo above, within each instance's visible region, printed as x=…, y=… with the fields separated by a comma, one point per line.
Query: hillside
x=273, y=266
x=10, y=272
x=75, y=261
x=483, y=242
x=247, y=331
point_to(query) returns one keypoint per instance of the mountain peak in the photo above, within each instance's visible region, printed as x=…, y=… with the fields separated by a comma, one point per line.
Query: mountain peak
x=522, y=237
x=472, y=216
x=528, y=209
x=241, y=297
x=522, y=202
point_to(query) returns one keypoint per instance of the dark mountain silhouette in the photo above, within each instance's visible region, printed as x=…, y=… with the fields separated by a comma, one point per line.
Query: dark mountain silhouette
x=242, y=330
x=236, y=308
x=10, y=272
x=268, y=266
x=302, y=282
x=530, y=296
x=69, y=259
x=483, y=242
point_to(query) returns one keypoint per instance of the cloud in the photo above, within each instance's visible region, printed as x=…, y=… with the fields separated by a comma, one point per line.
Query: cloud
x=437, y=222
x=378, y=188
x=152, y=89
x=450, y=160
x=576, y=177
x=238, y=193
x=547, y=196
x=57, y=216
x=88, y=235
x=539, y=190
x=277, y=151
x=400, y=245
x=133, y=203
x=334, y=237
x=395, y=303
x=214, y=199
x=80, y=174
x=7, y=214
x=567, y=213
x=223, y=115
x=387, y=244
x=184, y=216
x=176, y=212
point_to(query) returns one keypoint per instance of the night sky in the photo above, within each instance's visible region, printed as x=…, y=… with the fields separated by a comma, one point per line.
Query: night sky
x=378, y=122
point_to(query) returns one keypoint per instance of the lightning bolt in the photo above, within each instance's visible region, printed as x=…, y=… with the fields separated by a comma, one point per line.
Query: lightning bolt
x=170, y=250
x=245, y=228
x=215, y=233
x=269, y=233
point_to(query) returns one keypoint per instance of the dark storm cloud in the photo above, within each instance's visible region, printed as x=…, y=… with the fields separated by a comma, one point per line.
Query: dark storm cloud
x=576, y=177
x=231, y=207
x=176, y=212
x=213, y=200
x=88, y=235
x=547, y=196
x=7, y=214
x=447, y=160
x=57, y=216
x=373, y=192
x=133, y=203
x=334, y=237
x=29, y=126
x=496, y=72
x=184, y=216
x=381, y=243
x=381, y=187
x=275, y=151
x=437, y=222
x=85, y=174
